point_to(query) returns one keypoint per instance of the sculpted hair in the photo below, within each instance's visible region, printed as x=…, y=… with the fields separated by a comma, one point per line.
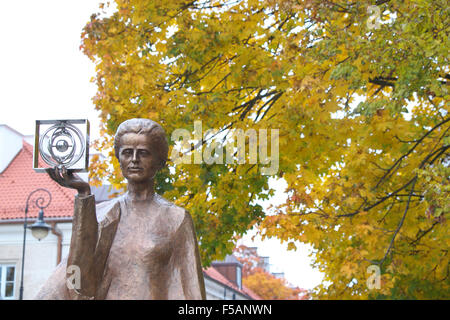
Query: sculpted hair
x=148, y=127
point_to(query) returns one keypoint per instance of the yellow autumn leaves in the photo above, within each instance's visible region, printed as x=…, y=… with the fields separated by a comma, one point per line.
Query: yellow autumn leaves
x=362, y=115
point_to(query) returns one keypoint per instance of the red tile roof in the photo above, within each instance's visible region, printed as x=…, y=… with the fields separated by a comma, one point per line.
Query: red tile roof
x=19, y=179
x=216, y=275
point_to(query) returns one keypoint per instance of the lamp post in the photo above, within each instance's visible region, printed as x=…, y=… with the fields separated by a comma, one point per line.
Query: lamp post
x=39, y=229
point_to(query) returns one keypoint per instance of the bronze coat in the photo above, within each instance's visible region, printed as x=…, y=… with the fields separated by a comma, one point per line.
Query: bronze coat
x=127, y=256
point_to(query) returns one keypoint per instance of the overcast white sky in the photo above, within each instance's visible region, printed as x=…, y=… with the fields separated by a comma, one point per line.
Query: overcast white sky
x=44, y=75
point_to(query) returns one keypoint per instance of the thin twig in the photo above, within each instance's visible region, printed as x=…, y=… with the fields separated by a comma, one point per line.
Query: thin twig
x=400, y=223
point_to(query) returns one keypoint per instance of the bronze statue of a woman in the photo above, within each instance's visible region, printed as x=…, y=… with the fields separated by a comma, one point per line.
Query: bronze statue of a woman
x=136, y=246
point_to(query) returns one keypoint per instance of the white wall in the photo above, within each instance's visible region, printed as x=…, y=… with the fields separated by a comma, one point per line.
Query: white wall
x=40, y=256
x=10, y=144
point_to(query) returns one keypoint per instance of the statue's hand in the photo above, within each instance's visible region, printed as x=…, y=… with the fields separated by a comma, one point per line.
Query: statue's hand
x=67, y=179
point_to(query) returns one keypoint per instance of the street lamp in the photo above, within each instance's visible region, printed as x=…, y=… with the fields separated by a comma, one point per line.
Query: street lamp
x=39, y=229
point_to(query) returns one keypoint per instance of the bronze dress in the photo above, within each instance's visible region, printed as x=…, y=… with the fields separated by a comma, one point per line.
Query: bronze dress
x=134, y=251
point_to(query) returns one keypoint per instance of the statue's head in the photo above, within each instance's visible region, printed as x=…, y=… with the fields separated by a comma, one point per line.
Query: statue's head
x=141, y=147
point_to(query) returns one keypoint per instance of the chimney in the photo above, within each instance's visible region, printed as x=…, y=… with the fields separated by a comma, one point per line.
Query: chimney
x=231, y=269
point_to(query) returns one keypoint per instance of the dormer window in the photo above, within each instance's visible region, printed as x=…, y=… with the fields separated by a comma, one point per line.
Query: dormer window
x=239, y=276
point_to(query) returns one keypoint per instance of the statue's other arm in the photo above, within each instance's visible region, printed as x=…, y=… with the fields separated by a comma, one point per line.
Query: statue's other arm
x=190, y=266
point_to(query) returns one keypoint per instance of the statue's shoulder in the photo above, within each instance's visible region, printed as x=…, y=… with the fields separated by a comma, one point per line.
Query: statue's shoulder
x=109, y=208
x=176, y=214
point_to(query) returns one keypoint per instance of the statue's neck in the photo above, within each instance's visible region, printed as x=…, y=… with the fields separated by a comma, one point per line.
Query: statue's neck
x=141, y=191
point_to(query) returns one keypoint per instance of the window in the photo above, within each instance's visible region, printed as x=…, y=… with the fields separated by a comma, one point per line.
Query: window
x=7, y=281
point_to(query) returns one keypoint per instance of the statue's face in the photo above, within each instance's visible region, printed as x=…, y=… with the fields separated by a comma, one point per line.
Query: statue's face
x=139, y=163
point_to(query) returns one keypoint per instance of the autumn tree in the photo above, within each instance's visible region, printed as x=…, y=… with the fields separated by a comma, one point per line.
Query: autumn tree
x=359, y=93
x=263, y=283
